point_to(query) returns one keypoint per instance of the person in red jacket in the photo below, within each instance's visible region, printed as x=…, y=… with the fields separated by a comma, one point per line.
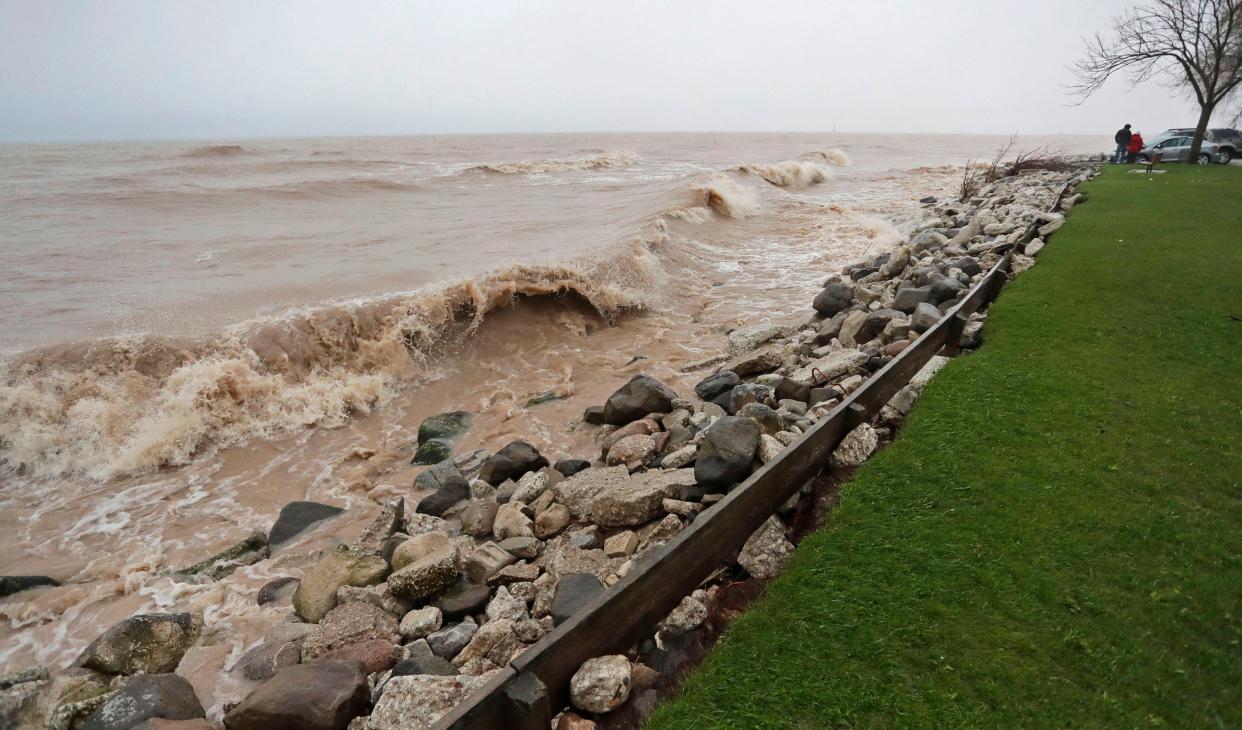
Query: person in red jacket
x=1134, y=147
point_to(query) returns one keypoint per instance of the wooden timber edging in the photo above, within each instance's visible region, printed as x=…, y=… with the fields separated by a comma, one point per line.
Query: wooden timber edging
x=535, y=685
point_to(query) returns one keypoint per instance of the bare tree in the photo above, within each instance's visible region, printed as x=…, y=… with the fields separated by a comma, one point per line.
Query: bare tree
x=1195, y=45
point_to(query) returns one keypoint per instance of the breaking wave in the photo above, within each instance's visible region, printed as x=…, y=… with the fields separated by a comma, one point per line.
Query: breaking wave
x=126, y=406
x=834, y=156
x=726, y=197
x=791, y=173
x=601, y=161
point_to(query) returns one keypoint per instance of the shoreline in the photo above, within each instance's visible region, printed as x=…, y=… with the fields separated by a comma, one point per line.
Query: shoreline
x=649, y=447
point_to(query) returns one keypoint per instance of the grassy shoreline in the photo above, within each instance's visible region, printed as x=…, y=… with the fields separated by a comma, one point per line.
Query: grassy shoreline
x=1056, y=537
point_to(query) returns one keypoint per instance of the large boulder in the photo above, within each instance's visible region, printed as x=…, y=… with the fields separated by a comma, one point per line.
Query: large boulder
x=417, y=702
x=316, y=593
x=511, y=462
x=323, y=696
x=143, y=697
x=450, y=487
x=601, y=684
x=425, y=564
x=296, y=517
x=150, y=643
x=642, y=395
x=638, y=500
x=836, y=296
x=726, y=452
x=907, y=299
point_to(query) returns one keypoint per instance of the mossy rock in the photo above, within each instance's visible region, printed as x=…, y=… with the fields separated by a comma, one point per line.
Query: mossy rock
x=433, y=451
x=443, y=426
x=248, y=551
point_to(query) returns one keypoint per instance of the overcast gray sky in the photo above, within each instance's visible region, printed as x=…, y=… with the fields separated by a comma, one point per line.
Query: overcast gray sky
x=134, y=69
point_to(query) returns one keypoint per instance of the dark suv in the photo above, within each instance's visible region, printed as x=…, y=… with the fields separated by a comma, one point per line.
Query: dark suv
x=1223, y=144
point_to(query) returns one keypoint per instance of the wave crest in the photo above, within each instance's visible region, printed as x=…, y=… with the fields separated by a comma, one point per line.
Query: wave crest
x=835, y=156
x=216, y=150
x=601, y=161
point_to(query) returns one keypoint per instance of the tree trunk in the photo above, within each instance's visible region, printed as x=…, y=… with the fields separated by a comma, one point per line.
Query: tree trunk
x=1205, y=116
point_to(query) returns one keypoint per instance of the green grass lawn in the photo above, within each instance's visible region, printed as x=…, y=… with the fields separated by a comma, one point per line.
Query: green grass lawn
x=1055, y=539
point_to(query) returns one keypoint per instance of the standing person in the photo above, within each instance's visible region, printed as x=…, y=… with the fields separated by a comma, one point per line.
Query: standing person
x=1122, y=138
x=1134, y=147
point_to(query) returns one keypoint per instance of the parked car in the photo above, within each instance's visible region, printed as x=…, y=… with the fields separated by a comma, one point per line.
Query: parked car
x=1220, y=145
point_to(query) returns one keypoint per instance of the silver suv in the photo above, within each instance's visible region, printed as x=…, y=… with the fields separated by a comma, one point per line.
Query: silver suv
x=1219, y=145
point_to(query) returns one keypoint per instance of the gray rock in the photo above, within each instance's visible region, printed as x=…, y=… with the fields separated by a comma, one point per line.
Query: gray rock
x=747, y=393
x=322, y=696
x=247, y=552
x=945, y=289
x=522, y=547
x=429, y=665
x=143, y=697
x=830, y=329
x=789, y=389
x=726, y=452
x=448, y=642
x=511, y=462
x=573, y=591
x=450, y=487
x=296, y=517
x=150, y=643
x=637, y=398
x=767, y=418
x=837, y=295
x=463, y=598
x=909, y=298
x=569, y=467
x=924, y=318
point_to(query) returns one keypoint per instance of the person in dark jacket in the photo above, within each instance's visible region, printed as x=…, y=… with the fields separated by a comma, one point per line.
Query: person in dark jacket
x=1122, y=138
x=1135, y=146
